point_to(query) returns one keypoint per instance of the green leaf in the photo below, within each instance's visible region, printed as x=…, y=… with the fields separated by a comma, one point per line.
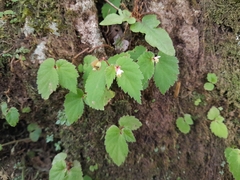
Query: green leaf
x=128, y=135
x=156, y=37
x=108, y=9
x=233, y=159
x=113, y=59
x=116, y=145
x=95, y=87
x=130, y=122
x=166, y=72
x=131, y=79
x=127, y=16
x=87, y=67
x=12, y=116
x=67, y=74
x=208, y=86
x=182, y=125
x=219, y=129
x=59, y=157
x=74, y=106
x=212, y=78
x=75, y=173
x=112, y=19
x=110, y=75
x=58, y=171
x=34, y=131
x=4, y=108
x=47, y=78
x=146, y=64
x=219, y=118
x=86, y=177
x=107, y=96
x=188, y=119
x=213, y=113
x=26, y=110
x=1, y=147
x=136, y=52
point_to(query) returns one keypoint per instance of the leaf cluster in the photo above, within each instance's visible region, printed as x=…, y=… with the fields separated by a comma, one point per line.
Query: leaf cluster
x=117, y=137
x=183, y=123
x=155, y=36
x=217, y=126
x=10, y=114
x=212, y=79
x=131, y=70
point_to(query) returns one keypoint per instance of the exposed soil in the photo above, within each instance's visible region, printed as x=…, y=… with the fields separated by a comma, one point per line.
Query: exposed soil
x=205, y=41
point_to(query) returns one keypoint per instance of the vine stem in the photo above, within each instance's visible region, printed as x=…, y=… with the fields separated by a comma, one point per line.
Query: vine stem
x=111, y=4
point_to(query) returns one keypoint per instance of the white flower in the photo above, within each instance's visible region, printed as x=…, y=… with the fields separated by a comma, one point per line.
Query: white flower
x=118, y=71
x=156, y=59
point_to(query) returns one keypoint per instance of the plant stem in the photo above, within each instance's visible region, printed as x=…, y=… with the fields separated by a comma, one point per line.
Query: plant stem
x=111, y=4
x=17, y=141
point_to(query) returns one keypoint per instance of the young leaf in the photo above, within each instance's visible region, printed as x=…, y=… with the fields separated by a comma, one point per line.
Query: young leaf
x=136, y=52
x=131, y=79
x=108, y=9
x=130, y=122
x=219, y=129
x=146, y=64
x=74, y=106
x=208, y=86
x=156, y=37
x=12, y=116
x=182, y=125
x=127, y=16
x=4, y=108
x=212, y=78
x=188, y=119
x=112, y=19
x=128, y=135
x=95, y=87
x=47, y=78
x=67, y=74
x=110, y=75
x=213, y=113
x=233, y=159
x=116, y=145
x=166, y=72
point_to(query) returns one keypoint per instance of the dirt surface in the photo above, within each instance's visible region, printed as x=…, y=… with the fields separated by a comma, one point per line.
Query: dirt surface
x=205, y=38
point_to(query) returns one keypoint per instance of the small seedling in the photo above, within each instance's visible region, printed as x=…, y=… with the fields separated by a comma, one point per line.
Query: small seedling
x=233, y=158
x=93, y=168
x=62, y=170
x=49, y=138
x=212, y=79
x=117, y=137
x=35, y=131
x=183, y=123
x=197, y=102
x=217, y=126
x=10, y=114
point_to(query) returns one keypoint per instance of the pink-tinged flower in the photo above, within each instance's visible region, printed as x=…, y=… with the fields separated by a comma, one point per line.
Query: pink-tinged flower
x=156, y=59
x=118, y=71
